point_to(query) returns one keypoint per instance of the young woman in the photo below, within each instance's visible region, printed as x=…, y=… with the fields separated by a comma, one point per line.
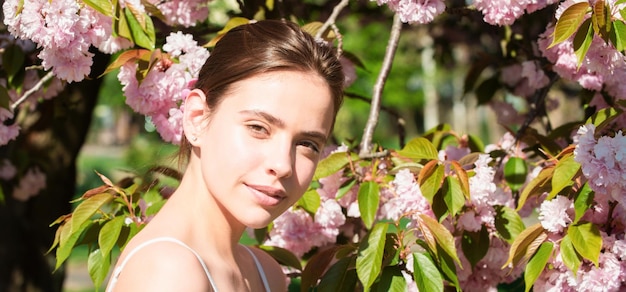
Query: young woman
x=264, y=105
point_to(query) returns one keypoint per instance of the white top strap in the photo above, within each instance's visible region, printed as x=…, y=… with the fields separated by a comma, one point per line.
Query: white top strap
x=266, y=285
x=118, y=270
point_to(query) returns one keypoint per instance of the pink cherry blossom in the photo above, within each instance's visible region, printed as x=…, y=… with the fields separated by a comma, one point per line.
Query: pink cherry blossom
x=415, y=11
x=555, y=214
x=33, y=181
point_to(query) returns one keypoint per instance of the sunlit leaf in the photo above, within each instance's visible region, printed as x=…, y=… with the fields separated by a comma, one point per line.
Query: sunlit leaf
x=109, y=234
x=442, y=235
x=515, y=172
x=142, y=29
x=618, y=35
x=98, y=266
x=419, y=148
x=427, y=276
x=368, y=199
x=603, y=117
x=453, y=195
x=88, y=208
x=570, y=257
x=508, y=223
x=430, y=179
x=369, y=259
x=127, y=56
x=103, y=6
x=570, y=20
x=587, y=240
x=582, y=202
x=537, y=186
x=524, y=242
x=462, y=177
x=582, y=41
x=310, y=201
x=564, y=173
x=333, y=163
x=537, y=263
x=67, y=240
x=232, y=23
x=313, y=27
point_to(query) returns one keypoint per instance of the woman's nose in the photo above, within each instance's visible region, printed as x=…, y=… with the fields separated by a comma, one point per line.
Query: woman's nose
x=280, y=160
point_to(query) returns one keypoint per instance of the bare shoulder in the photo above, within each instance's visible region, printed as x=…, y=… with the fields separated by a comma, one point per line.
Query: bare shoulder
x=273, y=271
x=160, y=266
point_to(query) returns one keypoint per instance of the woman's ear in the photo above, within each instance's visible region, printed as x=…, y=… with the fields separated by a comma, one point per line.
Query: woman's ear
x=195, y=116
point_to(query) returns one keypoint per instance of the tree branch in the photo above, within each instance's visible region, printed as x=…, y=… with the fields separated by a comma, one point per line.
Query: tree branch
x=392, y=45
x=34, y=89
x=332, y=18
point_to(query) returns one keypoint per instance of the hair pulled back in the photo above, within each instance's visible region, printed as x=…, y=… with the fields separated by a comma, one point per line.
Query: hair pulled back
x=261, y=47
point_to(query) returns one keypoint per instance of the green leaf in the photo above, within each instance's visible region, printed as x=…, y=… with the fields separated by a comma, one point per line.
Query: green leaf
x=345, y=188
x=582, y=202
x=536, y=186
x=419, y=148
x=12, y=60
x=475, y=245
x=5, y=99
x=440, y=234
x=232, y=23
x=525, y=244
x=98, y=265
x=103, y=6
x=391, y=280
x=283, y=256
x=66, y=244
x=453, y=195
x=430, y=179
x=427, y=276
x=340, y=277
x=333, y=163
x=618, y=35
x=564, y=173
x=587, y=240
x=508, y=223
x=582, y=41
x=88, y=208
x=109, y=234
x=515, y=172
x=142, y=35
x=368, y=199
x=570, y=20
x=603, y=116
x=370, y=256
x=537, y=263
x=310, y=201
x=570, y=257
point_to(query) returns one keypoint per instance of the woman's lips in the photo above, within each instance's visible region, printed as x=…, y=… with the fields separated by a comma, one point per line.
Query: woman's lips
x=267, y=195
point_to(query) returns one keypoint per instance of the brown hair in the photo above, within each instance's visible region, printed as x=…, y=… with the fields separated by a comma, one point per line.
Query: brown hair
x=260, y=47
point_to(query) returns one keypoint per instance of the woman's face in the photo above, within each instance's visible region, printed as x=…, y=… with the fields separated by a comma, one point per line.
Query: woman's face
x=260, y=147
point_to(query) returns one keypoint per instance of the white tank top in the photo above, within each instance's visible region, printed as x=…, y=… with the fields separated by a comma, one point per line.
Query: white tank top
x=118, y=270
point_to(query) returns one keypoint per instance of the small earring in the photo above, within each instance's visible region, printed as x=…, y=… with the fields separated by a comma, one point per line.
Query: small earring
x=194, y=138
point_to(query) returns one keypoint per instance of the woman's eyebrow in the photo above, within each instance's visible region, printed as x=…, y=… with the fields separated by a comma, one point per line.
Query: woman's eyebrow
x=276, y=121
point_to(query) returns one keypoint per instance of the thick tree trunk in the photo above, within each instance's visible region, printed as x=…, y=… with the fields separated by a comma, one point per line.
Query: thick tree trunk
x=52, y=143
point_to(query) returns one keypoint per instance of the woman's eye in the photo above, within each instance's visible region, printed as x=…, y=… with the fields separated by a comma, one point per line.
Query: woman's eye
x=257, y=129
x=310, y=145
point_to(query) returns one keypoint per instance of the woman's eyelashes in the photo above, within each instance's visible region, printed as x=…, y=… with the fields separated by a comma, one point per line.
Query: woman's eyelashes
x=311, y=145
x=258, y=130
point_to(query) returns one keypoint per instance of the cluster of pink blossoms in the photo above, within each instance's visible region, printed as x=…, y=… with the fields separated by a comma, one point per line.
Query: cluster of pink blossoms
x=602, y=68
x=415, y=11
x=603, y=163
x=160, y=94
x=182, y=12
x=505, y=12
x=64, y=30
x=30, y=184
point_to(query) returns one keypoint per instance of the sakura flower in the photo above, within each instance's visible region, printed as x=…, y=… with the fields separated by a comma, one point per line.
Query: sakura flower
x=30, y=184
x=554, y=214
